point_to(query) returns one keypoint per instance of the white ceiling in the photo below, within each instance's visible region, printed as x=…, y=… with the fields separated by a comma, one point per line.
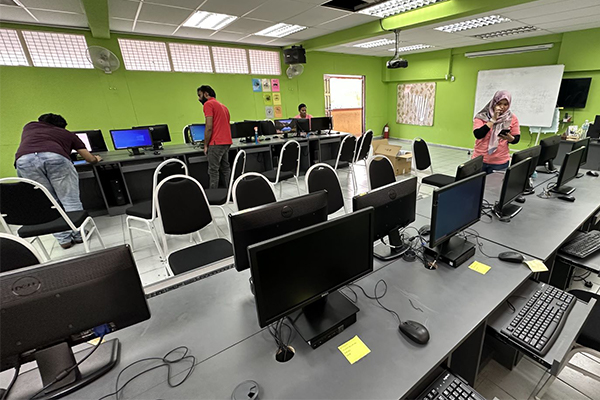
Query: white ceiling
x=165, y=18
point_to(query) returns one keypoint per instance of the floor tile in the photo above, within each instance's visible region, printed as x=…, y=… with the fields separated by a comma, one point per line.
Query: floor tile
x=490, y=391
x=520, y=382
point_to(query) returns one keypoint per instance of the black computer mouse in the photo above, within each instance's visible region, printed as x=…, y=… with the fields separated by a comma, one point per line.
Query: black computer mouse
x=424, y=230
x=414, y=331
x=567, y=197
x=511, y=256
x=520, y=199
x=593, y=173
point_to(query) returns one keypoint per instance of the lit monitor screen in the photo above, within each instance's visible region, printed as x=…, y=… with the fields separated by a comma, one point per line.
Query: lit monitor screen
x=131, y=138
x=197, y=132
x=84, y=138
x=285, y=125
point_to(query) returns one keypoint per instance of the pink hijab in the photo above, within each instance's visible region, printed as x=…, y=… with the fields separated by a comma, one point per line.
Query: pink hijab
x=502, y=123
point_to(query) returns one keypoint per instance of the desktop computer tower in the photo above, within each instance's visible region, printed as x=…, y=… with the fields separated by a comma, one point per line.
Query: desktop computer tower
x=116, y=191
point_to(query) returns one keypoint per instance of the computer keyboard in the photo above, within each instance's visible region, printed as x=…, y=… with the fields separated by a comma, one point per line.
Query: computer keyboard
x=450, y=387
x=583, y=245
x=539, y=322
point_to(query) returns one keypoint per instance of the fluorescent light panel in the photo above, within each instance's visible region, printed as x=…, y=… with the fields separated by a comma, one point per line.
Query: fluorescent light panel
x=412, y=48
x=375, y=43
x=280, y=30
x=473, y=24
x=209, y=20
x=512, y=50
x=508, y=32
x=393, y=7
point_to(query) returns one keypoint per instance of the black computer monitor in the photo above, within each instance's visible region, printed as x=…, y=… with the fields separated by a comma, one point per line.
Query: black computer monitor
x=395, y=208
x=197, y=132
x=319, y=124
x=159, y=133
x=265, y=222
x=47, y=309
x=548, y=152
x=533, y=153
x=133, y=139
x=585, y=143
x=514, y=184
x=285, y=126
x=95, y=139
x=86, y=141
x=298, y=275
x=594, y=129
x=303, y=125
x=455, y=207
x=244, y=130
x=568, y=171
x=266, y=128
x=469, y=168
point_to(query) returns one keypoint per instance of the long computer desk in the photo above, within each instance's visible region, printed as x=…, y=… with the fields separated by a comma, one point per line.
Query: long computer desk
x=593, y=158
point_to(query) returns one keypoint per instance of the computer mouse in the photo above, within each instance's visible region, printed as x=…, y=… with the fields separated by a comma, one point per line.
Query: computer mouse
x=512, y=257
x=520, y=199
x=593, y=173
x=414, y=331
x=157, y=153
x=424, y=230
x=275, y=137
x=567, y=197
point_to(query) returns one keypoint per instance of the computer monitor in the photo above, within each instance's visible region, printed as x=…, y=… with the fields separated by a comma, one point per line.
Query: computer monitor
x=265, y=222
x=298, y=275
x=197, y=132
x=86, y=141
x=395, y=208
x=49, y=308
x=585, y=143
x=514, y=184
x=568, y=171
x=266, y=128
x=159, y=133
x=469, y=168
x=244, y=130
x=594, y=129
x=95, y=139
x=285, y=126
x=133, y=139
x=302, y=125
x=548, y=152
x=319, y=124
x=534, y=154
x=455, y=207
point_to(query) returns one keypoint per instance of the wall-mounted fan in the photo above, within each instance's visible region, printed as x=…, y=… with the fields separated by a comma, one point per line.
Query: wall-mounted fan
x=294, y=70
x=103, y=59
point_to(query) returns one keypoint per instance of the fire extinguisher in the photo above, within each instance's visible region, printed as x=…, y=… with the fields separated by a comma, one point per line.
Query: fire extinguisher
x=386, y=132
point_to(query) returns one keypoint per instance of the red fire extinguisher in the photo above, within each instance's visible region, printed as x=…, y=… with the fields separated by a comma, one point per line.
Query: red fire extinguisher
x=386, y=132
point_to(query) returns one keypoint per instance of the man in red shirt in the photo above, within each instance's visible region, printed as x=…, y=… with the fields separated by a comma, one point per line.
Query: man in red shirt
x=217, y=137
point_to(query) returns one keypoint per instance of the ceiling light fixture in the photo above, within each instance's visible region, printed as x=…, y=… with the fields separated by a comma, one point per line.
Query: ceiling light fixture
x=280, y=30
x=473, y=24
x=375, y=43
x=209, y=20
x=512, y=50
x=393, y=7
x=507, y=32
x=412, y=48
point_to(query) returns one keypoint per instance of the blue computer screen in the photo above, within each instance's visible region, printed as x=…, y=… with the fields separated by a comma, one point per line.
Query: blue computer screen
x=131, y=138
x=197, y=132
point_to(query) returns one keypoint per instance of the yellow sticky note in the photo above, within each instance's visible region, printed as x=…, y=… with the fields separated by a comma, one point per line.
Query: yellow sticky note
x=94, y=342
x=536, y=266
x=479, y=267
x=354, y=349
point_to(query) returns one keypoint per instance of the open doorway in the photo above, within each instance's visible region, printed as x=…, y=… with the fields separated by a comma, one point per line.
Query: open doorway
x=345, y=102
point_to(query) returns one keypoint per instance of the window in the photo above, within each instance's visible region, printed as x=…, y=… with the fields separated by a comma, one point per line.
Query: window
x=230, y=60
x=11, y=51
x=58, y=50
x=190, y=57
x=141, y=55
x=265, y=62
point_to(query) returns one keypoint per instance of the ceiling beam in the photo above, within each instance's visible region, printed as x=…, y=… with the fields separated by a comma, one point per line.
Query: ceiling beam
x=434, y=13
x=96, y=12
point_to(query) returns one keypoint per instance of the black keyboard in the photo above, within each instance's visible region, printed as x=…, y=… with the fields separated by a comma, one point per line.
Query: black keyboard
x=450, y=387
x=539, y=322
x=583, y=244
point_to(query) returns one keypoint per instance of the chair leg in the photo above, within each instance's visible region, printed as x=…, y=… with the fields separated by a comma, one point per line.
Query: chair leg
x=353, y=178
x=98, y=234
x=42, y=247
x=155, y=239
x=86, y=245
x=280, y=189
x=225, y=217
x=129, y=230
x=297, y=184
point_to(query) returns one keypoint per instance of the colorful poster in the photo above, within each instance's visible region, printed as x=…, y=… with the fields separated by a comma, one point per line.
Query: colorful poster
x=275, y=85
x=416, y=102
x=266, y=85
x=278, y=112
x=277, y=99
x=268, y=99
x=256, y=85
x=269, y=113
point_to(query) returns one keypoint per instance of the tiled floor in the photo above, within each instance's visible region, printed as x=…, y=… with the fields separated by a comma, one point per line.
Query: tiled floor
x=494, y=382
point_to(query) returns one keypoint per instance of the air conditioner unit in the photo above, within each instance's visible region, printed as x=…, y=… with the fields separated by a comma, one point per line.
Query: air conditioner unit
x=512, y=50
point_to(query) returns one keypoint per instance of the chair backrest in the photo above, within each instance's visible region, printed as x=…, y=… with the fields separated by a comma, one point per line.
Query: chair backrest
x=421, y=154
x=167, y=168
x=16, y=253
x=26, y=202
x=238, y=169
x=187, y=137
x=323, y=177
x=364, y=145
x=251, y=190
x=182, y=205
x=289, y=158
x=380, y=171
x=347, y=150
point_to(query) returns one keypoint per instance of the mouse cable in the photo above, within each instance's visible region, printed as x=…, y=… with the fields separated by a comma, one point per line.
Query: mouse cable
x=377, y=298
x=12, y=382
x=355, y=294
x=478, y=240
x=166, y=361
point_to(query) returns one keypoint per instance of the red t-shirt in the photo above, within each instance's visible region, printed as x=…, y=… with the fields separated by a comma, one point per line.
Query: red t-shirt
x=221, y=130
x=41, y=137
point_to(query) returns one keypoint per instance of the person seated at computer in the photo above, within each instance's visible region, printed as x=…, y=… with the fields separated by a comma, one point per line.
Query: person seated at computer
x=302, y=111
x=494, y=127
x=44, y=156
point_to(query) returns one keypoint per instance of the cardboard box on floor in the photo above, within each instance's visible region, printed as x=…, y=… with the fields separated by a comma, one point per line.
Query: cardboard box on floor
x=401, y=160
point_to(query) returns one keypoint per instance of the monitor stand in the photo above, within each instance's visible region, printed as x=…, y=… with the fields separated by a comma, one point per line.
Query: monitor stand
x=136, y=152
x=563, y=190
x=550, y=169
x=156, y=146
x=508, y=211
x=386, y=253
x=54, y=360
x=325, y=318
x=453, y=252
x=579, y=175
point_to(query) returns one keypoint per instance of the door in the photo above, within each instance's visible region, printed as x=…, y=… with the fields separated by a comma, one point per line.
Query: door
x=344, y=101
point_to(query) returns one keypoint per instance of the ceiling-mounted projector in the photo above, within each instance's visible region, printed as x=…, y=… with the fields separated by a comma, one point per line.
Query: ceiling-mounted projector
x=397, y=61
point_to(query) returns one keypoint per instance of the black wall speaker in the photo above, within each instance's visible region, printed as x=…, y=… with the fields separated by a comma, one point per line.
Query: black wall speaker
x=295, y=55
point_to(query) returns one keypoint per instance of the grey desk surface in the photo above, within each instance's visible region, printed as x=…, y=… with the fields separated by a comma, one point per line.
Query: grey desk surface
x=453, y=303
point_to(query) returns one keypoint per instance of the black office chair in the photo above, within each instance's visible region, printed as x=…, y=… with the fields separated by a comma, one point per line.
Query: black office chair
x=251, y=190
x=363, y=146
x=422, y=162
x=345, y=157
x=184, y=210
x=380, y=172
x=288, y=167
x=16, y=253
x=28, y=203
x=323, y=177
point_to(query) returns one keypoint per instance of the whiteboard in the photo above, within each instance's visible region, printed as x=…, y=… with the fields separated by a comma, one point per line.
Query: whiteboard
x=534, y=91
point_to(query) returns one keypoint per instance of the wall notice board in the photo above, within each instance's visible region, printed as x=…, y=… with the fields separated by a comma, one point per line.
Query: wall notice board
x=534, y=91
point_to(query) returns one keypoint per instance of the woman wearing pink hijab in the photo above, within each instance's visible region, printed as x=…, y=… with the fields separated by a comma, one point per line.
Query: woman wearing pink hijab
x=495, y=126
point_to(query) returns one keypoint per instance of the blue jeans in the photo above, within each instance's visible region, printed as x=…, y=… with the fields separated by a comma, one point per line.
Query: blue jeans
x=58, y=175
x=489, y=168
